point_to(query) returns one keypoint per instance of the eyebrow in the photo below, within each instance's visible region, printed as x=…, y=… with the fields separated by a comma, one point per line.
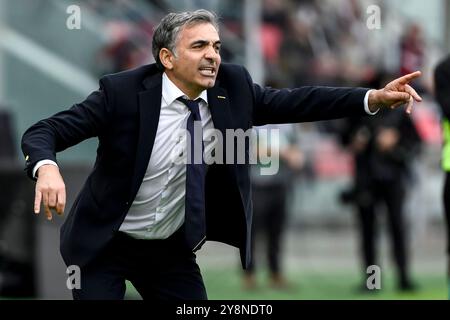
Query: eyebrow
x=204, y=42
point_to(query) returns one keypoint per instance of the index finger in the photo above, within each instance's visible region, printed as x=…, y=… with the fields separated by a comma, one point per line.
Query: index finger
x=37, y=202
x=409, y=77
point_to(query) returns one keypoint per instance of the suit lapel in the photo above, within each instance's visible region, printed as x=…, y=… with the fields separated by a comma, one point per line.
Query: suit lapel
x=149, y=110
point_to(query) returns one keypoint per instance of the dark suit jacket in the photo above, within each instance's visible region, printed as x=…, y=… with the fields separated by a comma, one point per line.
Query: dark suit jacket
x=124, y=112
x=442, y=86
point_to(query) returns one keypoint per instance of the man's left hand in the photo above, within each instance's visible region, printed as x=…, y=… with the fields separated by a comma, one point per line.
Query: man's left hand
x=395, y=94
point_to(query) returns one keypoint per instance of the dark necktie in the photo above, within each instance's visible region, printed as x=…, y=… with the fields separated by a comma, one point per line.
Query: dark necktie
x=195, y=227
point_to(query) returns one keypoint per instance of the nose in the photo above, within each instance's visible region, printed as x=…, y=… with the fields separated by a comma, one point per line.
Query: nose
x=211, y=53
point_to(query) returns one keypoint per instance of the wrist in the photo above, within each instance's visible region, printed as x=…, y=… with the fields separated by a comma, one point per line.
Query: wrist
x=374, y=103
x=40, y=164
x=45, y=168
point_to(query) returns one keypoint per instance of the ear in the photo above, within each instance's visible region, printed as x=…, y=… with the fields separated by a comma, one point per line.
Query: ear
x=166, y=56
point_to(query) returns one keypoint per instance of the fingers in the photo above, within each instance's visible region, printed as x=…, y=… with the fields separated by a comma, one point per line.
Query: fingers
x=402, y=102
x=50, y=189
x=409, y=77
x=61, y=202
x=52, y=199
x=395, y=105
x=410, y=105
x=56, y=201
x=413, y=93
x=37, y=202
x=398, y=96
x=47, y=210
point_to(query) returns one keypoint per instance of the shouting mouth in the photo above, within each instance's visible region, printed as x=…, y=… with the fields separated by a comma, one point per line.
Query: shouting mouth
x=207, y=71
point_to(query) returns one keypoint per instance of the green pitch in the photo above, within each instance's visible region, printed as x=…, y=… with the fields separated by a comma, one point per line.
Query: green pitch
x=311, y=285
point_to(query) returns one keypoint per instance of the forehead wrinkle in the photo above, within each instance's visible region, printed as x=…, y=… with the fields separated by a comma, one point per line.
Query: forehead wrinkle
x=189, y=26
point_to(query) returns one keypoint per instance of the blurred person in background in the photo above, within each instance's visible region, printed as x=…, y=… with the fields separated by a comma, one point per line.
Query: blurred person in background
x=274, y=23
x=412, y=52
x=270, y=194
x=296, y=57
x=442, y=92
x=112, y=232
x=412, y=49
x=123, y=53
x=384, y=149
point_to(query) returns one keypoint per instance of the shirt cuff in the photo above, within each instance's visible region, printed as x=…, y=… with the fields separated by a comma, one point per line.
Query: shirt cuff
x=40, y=164
x=366, y=104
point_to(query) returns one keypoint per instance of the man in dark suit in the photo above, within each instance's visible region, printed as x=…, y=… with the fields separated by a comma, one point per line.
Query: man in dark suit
x=141, y=215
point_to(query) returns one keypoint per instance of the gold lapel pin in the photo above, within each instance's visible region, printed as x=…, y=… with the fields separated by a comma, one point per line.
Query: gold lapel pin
x=221, y=97
x=26, y=158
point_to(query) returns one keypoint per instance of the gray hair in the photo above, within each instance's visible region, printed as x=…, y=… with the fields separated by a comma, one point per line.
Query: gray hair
x=167, y=31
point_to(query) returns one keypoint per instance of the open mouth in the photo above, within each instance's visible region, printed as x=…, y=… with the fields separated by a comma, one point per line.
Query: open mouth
x=207, y=71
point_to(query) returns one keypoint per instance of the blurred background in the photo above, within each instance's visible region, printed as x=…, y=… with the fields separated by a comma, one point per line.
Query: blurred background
x=45, y=67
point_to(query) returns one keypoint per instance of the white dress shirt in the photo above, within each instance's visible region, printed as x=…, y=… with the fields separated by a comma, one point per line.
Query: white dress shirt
x=159, y=207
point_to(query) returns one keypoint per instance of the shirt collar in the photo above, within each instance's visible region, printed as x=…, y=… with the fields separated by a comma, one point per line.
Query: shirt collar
x=170, y=92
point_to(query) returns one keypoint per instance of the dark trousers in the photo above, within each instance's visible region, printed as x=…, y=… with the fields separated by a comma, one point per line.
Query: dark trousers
x=392, y=194
x=158, y=269
x=269, y=215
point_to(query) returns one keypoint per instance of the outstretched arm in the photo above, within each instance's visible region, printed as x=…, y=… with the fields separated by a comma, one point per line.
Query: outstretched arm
x=325, y=103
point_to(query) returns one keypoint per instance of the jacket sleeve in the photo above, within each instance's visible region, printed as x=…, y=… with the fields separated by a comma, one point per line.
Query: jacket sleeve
x=305, y=104
x=67, y=128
